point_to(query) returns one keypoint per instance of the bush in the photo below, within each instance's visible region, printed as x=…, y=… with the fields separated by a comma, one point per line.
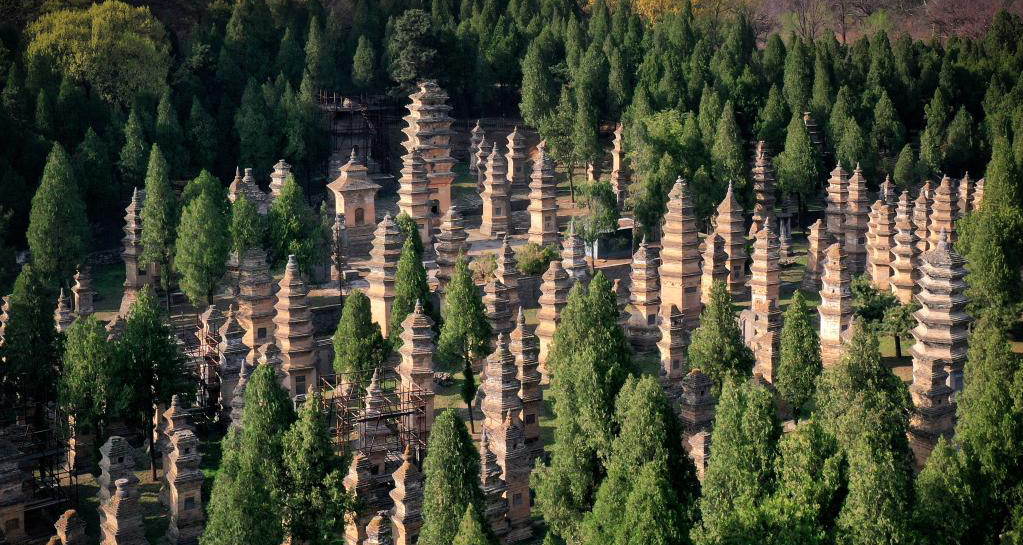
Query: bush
x=483, y=268
x=534, y=259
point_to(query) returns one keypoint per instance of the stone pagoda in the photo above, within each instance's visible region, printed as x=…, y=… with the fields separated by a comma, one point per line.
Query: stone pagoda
x=495, y=304
x=730, y=225
x=517, y=161
x=857, y=208
x=905, y=259
x=680, y=256
x=966, y=190
x=407, y=495
x=817, y=244
x=644, y=300
x=294, y=332
x=62, y=316
x=715, y=266
x=475, y=139
x=255, y=300
x=82, y=292
x=785, y=212
x=451, y=242
x=886, y=192
x=943, y=214
x=836, y=312
x=136, y=276
x=238, y=396
x=501, y=386
x=414, y=192
x=543, y=202
x=416, y=368
x=940, y=350
x=71, y=529
x=835, y=212
x=494, y=490
x=482, y=152
x=622, y=304
x=696, y=410
x=278, y=176
x=507, y=272
x=763, y=188
x=880, y=245
x=553, y=298
x=366, y=476
x=765, y=288
x=117, y=462
x=121, y=516
x=922, y=217
x=573, y=255
x=378, y=531
x=513, y=456
x=526, y=349
x=246, y=185
x=496, y=197
x=383, y=266
x=16, y=487
x=175, y=419
x=619, y=171
x=978, y=195
x=231, y=352
x=429, y=131
x=184, y=480
x=672, y=349
x=355, y=198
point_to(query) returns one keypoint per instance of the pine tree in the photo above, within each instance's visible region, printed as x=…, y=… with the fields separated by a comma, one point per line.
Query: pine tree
x=315, y=51
x=169, y=135
x=887, y=133
x=741, y=468
x=359, y=348
x=250, y=480
x=936, y=113
x=58, y=231
x=314, y=501
x=959, y=143
x=202, y=136
x=205, y=183
x=410, y=48
x=947, y=497
x=717, y=347
x=466, y=333
x=906, y=171
x=294, y=228
x=410, y=286
x=202, y=248
x=247, y=229
x=798, y=79
x=290, y=57
x=800, y=360
x=135, y=152
x=727, y=157
x=150, y=362
x=584, y=128
x=472, y=529
x=823, y=92
x=451, y=480
x=841, y=112
x=87, y=388
x=31, y=347
x=44, y=115
x=797, y=165
x=160, y=217
x=773, y=60
x=852, y=149
x=771, y=121
x=94, y=172
x=249, y=44
x=15, y=97
x=252, y=122
x=410, y=230
x=364, y=64
x=648, y=428
x=709, y=114
x=880, y=494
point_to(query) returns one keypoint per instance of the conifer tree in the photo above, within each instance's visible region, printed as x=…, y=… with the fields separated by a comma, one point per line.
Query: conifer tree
x=852, y=149
x=294, y=228
x=584, y=127
x=31, y=346
x=741, y=470
x=250, y=480
x=797, y=165
x=466, y=333
x=247, y=229
x=841, y=111
x=773, y=60
x=727, y=157
x=150, y=362
x=202, y=248
x=823, y=94
x=169, y=135
x=315, y=51
x=800, y=361
x=290, y=57
x=717, y=347
x=771, y=121
x=887, y=133
x=936, y=113
x=410, y=48
x=159, y=218
x=364, y=64
x=44, y=115
x=652, y=515
x=410, y=286
x=205, y=183
x=958, y=143
x=906, y=171
x=359, y=348
x=539, y=90
x=202, y=136
x=451, y=480
x=252, y=122
x=798, y=79
x=58, y=231
x=135, y=152
x=709, y=114
x=248, y=45
x=314, y=500
x=87, y=387
x=95, y=174
x=15, y=97
x=410, y=230
x=948, y=492
x=472, y=529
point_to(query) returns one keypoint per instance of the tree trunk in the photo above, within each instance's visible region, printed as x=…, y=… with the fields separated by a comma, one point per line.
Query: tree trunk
x=472, y=421
x=571, y=182
x=152, y=450
x=898, y=346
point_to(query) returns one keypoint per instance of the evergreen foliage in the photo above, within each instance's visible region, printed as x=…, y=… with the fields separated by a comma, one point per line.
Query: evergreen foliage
x=247, y=228
x=135, y=151
x=411, y=48
x=202, y=138
x=472, y=529
x=451, y=480
x=852, y=149
x=465, y=337
x=717, y=347
x=823, y=94
x=294, y=229
x=87, y=387
x=887, y=133
x=410, y=286
x=31, y=346
x=797, y=165
x=799, y=363
x=159, y=218
x=931, y=154
x=798, y=79
x=410, y=230
x=771, y=121
x=906, y=171
x=169, y=135
x=364, y=64
x=95, y=174
x=202, y=248
x=727, y=155
x=58, y=231
x=359, y=347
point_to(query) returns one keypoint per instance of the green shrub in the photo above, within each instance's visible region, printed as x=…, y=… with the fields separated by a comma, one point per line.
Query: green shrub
x=533, y=259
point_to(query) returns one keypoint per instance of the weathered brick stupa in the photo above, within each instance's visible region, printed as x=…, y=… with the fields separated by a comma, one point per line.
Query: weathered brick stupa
x=817, y=245
x=905, y=258
x=507, y=273
x=680, y=256
x=857, y=210
x=294, y=332
x=496, y=196
x=407, y=495
x=543, y=203
x=943, y=214
x=765, y=288
x=880, y=245
x=553, y=298
x=730, y=225
x=644, y=300
x=835, y=212
x=835, y=310
x=429, y=130
x=135, y=276
x=416, y=367
x=255, y=301
x=619, y=170
x=672, y=349
x=383, y=266
x=355, y=196
x=525, y=347
x=715, y=266
x=922, y=217
x=573, y=255
x=763, y=188
x=475, y=139
x=414, y=192
x=451, y=242
x=517, y=161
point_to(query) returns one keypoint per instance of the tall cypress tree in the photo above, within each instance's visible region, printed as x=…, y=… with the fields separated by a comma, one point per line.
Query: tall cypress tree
x=290, y=57
x=247, y=226
x=364, y=64
x=159, y=216
x=887, y=134
x=31, y=346
x=797, y=165
x=294, y=228
x=451, y=480
x=252, y=122
x=472, y=530
x=169, y=135
x=740, y=474
x=771, y=121
x=727, y=157
x=44, y=122
x=906, y=171
x=823, y=94
x=202, y=248
x=936, y=113
x=799, y=363
x=949, y=496
x=58, y=231
x=87, y=386
x=841, y=111
x=202, y=136
x=852, y=149
x=95, y=174
x=358, y=345
x=466, y=333
x=410, y=286
x=717, y=347
x=135, y=152
x=798, y=79
x=959, y=145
